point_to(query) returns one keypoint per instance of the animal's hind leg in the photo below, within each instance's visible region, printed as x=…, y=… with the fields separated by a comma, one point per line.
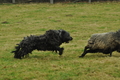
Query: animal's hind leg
x=21, y=53
x=26, y=56
x=18, y=55
x=54, y=51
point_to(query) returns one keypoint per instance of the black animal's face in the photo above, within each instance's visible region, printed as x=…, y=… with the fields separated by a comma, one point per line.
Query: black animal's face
x=66, y=36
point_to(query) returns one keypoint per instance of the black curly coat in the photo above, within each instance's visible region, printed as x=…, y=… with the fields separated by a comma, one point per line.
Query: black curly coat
x=50, y=41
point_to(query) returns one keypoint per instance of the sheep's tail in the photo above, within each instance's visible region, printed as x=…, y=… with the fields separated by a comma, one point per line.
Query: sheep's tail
x=17, y=51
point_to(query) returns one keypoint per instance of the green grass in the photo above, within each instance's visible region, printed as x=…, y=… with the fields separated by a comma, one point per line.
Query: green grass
x=80, y=20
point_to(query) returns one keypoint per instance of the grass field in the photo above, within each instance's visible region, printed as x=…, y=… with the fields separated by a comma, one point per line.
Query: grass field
x=80, y=20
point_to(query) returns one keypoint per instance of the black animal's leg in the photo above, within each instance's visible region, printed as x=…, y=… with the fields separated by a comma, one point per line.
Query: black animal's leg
x=21, y=53
x=85, y=52
x=17, y=52
x=54, y=51
x=26, y=56
x=60, y=50
x=111, y=54
x=26, y=52
x=17, y=55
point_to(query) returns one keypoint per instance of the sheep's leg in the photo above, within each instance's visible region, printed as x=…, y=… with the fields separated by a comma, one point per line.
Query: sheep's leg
x=85, y=52
x=110, y=52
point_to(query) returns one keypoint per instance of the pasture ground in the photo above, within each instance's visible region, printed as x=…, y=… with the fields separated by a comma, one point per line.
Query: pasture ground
x=79, y=19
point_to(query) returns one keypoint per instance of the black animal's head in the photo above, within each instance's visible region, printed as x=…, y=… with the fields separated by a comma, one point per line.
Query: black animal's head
x=65, y=36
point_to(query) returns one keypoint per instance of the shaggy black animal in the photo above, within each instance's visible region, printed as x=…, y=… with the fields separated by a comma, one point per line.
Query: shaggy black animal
x=103, y=42
x=50, y=41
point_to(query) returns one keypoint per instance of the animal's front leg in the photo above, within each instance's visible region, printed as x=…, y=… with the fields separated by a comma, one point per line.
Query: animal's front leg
x=85, y=52
x=55, y=51
x=60, y=50
x=110, y=53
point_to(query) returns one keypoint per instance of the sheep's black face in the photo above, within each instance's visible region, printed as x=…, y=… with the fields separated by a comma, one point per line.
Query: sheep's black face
x=66, y=36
